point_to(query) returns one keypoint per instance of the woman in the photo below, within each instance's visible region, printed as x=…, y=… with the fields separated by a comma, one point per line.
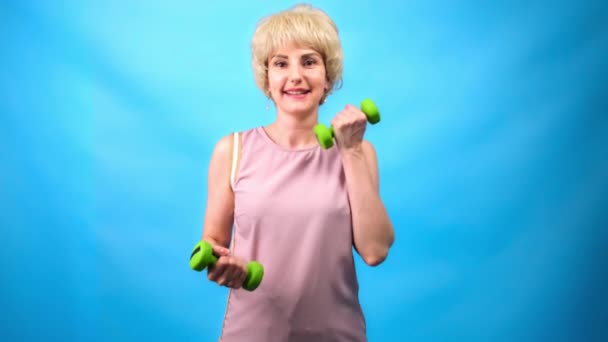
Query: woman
x=296, y=208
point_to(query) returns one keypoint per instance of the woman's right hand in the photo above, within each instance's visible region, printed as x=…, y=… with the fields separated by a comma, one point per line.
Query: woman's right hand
x=229, y=270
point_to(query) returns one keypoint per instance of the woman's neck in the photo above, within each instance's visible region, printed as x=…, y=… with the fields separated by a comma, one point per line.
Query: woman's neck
x=293, y=132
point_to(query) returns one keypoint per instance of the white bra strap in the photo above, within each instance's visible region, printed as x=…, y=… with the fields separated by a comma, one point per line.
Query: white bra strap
x=235, y=157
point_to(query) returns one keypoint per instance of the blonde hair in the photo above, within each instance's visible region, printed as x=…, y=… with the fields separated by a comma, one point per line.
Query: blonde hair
x=304, y=25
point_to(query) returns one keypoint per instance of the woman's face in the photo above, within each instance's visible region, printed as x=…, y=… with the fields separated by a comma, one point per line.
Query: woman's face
x=296, y=79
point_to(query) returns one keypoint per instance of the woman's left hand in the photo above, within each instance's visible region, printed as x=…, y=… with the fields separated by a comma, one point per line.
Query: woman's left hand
x=349, y=127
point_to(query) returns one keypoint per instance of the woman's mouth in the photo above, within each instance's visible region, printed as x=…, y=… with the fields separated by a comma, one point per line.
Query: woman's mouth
x=296, y=93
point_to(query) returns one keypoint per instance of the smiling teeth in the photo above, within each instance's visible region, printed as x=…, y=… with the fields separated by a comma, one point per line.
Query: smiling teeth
x=296, y=92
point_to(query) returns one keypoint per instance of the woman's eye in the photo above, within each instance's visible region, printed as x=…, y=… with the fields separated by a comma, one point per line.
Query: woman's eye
x=310, y=62
x=279, y=64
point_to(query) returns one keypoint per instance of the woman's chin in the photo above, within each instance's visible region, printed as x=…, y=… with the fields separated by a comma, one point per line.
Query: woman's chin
x=299, y=107
x=300, y=110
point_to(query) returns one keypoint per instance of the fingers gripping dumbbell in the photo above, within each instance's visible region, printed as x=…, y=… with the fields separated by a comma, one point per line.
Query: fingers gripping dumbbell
x=325, y=135
x=203, y=257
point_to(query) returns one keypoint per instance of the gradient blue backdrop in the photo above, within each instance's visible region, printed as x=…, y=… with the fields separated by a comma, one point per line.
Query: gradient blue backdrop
x=492, y=152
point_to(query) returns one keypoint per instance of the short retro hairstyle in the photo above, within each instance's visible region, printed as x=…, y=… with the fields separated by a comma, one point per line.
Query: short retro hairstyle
x=304, y=25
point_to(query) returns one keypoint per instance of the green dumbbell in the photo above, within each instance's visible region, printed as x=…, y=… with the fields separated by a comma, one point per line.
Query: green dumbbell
x=325, y=135
x=202, y=257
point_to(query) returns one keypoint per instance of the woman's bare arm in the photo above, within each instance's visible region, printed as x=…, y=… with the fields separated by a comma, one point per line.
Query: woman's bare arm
x=219, y=214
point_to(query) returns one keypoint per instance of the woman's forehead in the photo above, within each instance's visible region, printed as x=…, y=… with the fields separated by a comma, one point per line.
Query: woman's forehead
x=294, y=48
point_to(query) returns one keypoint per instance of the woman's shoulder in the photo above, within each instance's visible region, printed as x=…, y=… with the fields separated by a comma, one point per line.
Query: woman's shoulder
x=225, y=144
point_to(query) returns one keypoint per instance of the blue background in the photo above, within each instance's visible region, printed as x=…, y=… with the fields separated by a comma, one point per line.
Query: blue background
x=492, y=153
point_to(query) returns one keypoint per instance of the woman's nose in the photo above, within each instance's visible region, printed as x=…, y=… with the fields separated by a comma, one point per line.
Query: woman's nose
x=295, y=74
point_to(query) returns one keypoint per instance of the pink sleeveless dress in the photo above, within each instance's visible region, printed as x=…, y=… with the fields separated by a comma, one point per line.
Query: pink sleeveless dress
x=292, y=215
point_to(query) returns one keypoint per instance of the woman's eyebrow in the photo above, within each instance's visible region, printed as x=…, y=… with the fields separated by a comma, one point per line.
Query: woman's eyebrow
x=312, y=54
x=306, y=55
